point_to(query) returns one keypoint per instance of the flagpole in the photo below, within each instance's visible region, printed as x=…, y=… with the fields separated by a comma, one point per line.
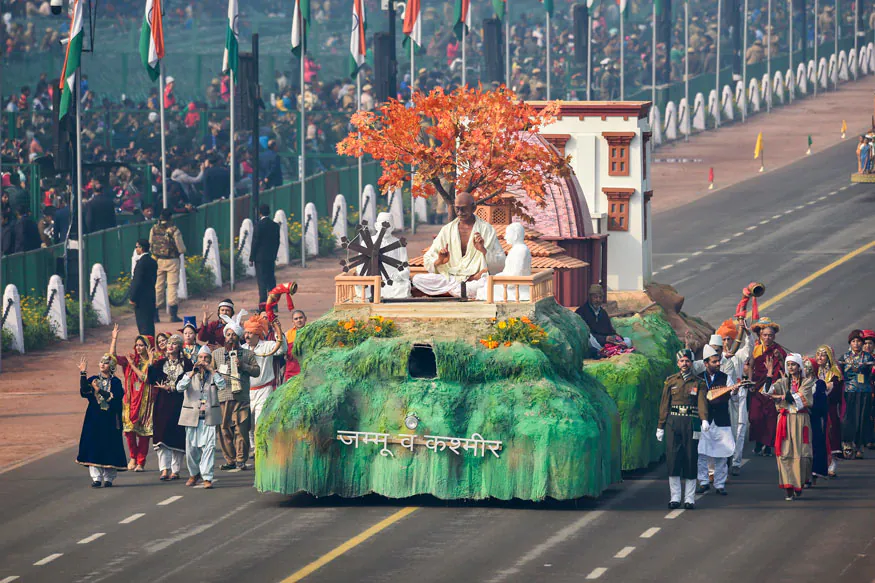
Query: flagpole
x=744, y=68
x=464, y=65
x=652, y=59
x=838, y=31
x=548, y=56
x=358, y=107
x=163, y=146
x=622, y=54
x=816, y=76
x=792, y=72
x=302, y=161
x=769, y=57
x=233, y=168
x=856, y=37
x=83, y=289
x=412, y=169
x=507, y=43
x=686, y=128
x=717, y=101
x=588, y=55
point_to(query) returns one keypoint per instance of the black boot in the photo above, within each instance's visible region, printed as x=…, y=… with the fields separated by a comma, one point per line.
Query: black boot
x=173, y=314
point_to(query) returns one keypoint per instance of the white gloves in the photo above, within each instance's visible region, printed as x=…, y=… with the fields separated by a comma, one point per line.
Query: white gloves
x=660, y=433
x=705, y=426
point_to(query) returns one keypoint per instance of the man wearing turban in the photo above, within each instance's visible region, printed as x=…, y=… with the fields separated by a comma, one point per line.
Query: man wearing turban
x=267, y=352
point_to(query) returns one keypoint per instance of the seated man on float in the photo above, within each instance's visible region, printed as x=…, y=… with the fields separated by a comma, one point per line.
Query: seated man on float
x=601, y=330
x=465, y=250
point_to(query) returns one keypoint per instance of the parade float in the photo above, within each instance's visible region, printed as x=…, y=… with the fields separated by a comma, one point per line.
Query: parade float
x=489, y=396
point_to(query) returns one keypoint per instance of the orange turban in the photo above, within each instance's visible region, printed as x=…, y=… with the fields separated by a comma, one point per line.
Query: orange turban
x=257, y=324
x=727, y=329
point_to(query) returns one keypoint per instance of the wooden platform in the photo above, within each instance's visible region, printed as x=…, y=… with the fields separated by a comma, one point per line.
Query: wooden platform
x=428, y=310
x=858, y=177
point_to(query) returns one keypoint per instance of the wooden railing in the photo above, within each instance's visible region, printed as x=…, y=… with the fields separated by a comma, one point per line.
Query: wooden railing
x=539, y=285
x=353, y=289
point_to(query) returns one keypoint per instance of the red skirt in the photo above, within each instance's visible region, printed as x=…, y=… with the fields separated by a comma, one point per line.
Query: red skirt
x=763, y=419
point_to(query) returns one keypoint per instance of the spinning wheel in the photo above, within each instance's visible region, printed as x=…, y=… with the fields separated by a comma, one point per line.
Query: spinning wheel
x=370, y=253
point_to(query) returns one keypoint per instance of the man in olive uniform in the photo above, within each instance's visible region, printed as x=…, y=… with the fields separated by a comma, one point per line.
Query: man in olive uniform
x=682, y=411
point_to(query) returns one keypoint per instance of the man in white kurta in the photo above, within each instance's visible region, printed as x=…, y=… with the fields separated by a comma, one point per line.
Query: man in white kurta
x=450, y=262
x=266, y=353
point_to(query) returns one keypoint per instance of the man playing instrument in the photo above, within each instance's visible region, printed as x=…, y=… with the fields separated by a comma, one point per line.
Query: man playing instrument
x=464, y=250
x=717, y=441
x=682, y=410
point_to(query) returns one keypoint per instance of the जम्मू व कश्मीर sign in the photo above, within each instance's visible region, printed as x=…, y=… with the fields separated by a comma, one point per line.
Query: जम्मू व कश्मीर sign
x=432, y=442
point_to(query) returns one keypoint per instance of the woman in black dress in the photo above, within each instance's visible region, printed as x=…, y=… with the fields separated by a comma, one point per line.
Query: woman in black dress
x=167, y=435
x=101, y=447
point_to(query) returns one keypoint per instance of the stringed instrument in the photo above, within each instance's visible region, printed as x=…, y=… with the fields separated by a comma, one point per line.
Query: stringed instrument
x=718, y=392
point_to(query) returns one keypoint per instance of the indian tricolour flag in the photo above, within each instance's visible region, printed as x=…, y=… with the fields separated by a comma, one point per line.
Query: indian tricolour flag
x=413, y=24
x=152, y=39
x=357, y=48
x=462, y=17
x=229, y=59
x=622, y=6
x=300, y=23
x=72, y=59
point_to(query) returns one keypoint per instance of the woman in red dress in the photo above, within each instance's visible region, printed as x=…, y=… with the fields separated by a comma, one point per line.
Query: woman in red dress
x=138, y=400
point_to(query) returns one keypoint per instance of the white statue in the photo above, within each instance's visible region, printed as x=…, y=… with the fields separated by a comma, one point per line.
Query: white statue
x=517, y=263
x=400, y=287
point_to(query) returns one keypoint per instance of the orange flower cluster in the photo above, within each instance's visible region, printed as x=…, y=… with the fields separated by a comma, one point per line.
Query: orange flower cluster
x=512, y=330
x=351, y=332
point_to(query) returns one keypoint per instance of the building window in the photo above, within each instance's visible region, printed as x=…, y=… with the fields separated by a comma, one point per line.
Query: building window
x=618, y=207
x=618, y=152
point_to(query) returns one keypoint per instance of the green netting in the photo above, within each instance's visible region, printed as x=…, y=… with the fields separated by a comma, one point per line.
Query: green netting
x=560, y=429
x=635, y=382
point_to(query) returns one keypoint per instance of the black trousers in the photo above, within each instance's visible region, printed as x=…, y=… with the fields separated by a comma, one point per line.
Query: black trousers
x=145, y=316
x=266, y=277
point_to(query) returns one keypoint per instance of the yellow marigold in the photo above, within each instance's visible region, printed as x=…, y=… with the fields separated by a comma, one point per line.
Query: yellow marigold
x=525, y=320
x=507, y=343
x=348, y=326
x=502, y=325
x=378, y=328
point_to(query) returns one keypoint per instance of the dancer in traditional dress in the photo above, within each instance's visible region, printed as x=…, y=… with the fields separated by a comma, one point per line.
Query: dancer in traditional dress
x=200, y=416
x=138, y=401
x=763, y=416
x=856, y=367
x=792, y=395
x=190, y=346
x=168, y=435
x=100, y=445
x=212, y=332
x=267, y=353
x=716, y=442
x=160, y=345
x=683, y=410
x=830, y=373
x=818, y=412
x=293, y=367
x=862, y=154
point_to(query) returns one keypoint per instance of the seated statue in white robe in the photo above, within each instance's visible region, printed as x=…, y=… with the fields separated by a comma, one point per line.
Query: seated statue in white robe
x=400, y=287
x=450, y=261
x=518, y=262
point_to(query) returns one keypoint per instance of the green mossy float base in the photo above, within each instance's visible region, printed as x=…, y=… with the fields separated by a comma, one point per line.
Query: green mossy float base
x=559, y=427
x=635, y=382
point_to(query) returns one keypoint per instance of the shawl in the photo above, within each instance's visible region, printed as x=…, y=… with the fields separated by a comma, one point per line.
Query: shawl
x=134, y=387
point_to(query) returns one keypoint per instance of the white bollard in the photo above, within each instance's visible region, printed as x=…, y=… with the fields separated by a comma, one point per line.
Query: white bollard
x=311, y=234
x=699, y=112
x=12, y=311
x=790, y=84
x=396, y=208
x=863, y=60
x=684, y=117
x=778, y=87
x=811, y=72
x=57, y=309
x=420, y=208
x=182, y=288
x=766, y=90
x=714, y=106
x=802, y=79
x=741, y=97
x=843, y=66
x=671, y=121
x=870, y=54
x=368, y=205
x=245, y=248
x=282, y=253
x=338, y=219
x=852, y=62
x=656, y=126
x=210, y=254
x=727, y=102
x=824, y=70
x=99, y=294
x=753, y=92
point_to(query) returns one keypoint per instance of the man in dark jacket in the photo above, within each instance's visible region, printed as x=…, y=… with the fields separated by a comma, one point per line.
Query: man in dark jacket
x=265, y=243
x=596, y=318
x=99, y=213
x=217, y=180
x=269, y=166
x=26, y=234
x=143, y=288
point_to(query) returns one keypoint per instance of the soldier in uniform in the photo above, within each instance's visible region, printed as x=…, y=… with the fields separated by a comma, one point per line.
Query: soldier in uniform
x=682, y=411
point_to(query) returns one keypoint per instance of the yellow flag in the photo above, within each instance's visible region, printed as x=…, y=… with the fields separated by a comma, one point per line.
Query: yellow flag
x=844, y=126
x=758, y=149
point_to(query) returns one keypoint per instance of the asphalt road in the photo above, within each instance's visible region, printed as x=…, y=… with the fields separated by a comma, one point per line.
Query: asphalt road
x=151, y=531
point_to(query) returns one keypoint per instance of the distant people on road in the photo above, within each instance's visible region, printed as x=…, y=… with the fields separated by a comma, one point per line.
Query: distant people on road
x=139, y=399
x=142, y=290
x=201, y=414
x=167, y=245
x=100, y=443
x=265, y=244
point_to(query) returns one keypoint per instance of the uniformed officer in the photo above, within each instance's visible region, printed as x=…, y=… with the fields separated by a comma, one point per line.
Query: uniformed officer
x=683, y=407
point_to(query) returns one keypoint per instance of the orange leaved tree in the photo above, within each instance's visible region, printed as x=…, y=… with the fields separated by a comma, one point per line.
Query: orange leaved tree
x=469, y=140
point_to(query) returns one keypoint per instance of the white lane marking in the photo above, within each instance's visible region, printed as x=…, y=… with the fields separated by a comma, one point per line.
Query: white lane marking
x=739, y=234
x=821, y=197
x=811, y=202
x=624, y=552
x=682, y=260
x=845, y=187
x=751, y=228
x=697, y=253
x=9, y=579
x=800, y=207
x=132, y=518
x=725, y=240
x=709, y=247
x=170, y=500
x=654, y=272
x=788, y=212
x=778, y=216
x=92, y=538
x=596, y=573
x=674, y=514
x=669, y=266
x=833, y=193
x=765, y=222
x=47, y=560
x=650, y=532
